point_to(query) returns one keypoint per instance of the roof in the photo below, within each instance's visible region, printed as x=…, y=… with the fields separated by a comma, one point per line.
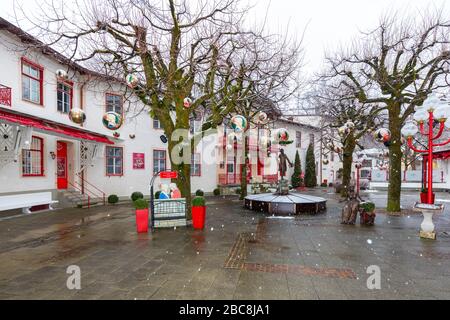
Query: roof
x=47, y=50
x=299, y=124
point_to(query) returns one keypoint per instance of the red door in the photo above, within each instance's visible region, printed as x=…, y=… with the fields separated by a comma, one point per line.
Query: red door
x=61, y=156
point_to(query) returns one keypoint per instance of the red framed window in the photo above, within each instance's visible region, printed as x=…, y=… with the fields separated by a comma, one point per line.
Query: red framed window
x=64, y=97
x=159, y=160
x=196, y=165
x=114, y=161
x=33, y=158
x=32, y=82
x=114, y=102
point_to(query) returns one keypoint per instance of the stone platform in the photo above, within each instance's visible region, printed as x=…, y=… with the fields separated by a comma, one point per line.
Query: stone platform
x=290, y=204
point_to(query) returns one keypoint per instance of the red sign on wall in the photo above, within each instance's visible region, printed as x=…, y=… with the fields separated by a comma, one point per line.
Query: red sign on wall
x=5, y=96
x=138, y=160
x=168, y=175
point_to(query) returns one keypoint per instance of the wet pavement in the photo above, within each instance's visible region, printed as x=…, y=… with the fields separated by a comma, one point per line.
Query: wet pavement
x=240, y=255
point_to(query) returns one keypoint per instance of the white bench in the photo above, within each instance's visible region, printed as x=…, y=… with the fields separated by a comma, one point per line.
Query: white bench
x=26, y=201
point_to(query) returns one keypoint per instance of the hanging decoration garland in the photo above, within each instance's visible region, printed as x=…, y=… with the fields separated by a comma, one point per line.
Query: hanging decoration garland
x=132, y=81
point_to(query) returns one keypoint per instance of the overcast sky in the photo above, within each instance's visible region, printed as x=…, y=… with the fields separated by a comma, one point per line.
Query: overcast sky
x=326, y=23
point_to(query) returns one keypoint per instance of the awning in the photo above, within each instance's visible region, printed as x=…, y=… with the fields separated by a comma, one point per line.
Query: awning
x=47, y=126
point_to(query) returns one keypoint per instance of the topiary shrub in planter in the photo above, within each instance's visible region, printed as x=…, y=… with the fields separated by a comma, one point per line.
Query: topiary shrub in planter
x=141, y=207
x=238, y=191
x=199, y=193
x=367, y=214
x=216, y=192
x=136, y=195
x=198, y=212
x=157, y=193
x=113, y=199
x=323, y=185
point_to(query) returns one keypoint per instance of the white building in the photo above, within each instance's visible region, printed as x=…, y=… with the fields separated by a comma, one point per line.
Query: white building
x=41, y=149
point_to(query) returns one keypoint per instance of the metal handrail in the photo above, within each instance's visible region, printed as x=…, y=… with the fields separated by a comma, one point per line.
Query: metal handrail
x=96, y=188
x=90, y=193
x=80, y=198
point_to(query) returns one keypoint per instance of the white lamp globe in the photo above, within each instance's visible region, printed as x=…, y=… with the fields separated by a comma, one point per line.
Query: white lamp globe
x=421, y=115
x=447, y=123
x=409, y=129
x=431, y=103
x=442, y=112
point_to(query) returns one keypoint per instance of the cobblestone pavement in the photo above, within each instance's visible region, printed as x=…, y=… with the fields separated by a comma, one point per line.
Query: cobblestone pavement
x=240, y=255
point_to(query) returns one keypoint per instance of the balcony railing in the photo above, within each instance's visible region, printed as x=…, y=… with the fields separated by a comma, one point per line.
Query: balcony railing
x=5, y=95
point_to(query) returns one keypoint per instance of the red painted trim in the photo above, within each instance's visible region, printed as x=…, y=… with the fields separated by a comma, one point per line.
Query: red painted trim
x=41, y=151
x=69, y=84
x=153, y=158
x=41, y=80
x=106, y=162
x=121, y=101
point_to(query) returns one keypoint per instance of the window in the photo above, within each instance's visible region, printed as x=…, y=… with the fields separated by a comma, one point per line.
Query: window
x=114, y=161
x=311, y=139
x=114, y=103
x=230, y=167
x=332, y=156
x=196, y=165
x=159, y=160
x=298, y=139
x=64, y=97
x=32, y=80
x=156, y=124
x=32, y=159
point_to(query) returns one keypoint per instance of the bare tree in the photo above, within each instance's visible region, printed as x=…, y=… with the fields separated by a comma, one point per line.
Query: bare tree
x=345, y=121
x=398, y=65
x=177, y=49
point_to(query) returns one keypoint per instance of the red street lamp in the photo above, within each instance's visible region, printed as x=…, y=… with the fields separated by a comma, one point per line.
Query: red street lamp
x=433, y=110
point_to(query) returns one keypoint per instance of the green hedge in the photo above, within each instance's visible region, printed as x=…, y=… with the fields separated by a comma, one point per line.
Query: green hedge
x=113, y=199
x=136, y=195
x=199, y=193
x=216, y=192
x=140, y=204
x=198, y=201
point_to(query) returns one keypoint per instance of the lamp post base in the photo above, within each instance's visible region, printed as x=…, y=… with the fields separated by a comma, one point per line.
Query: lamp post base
x=427, y=225
x=427, y=235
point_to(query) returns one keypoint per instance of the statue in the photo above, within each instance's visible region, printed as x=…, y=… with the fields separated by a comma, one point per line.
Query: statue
x=282, y=165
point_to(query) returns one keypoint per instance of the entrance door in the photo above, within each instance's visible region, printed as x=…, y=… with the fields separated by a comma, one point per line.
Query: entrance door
x=61, y=156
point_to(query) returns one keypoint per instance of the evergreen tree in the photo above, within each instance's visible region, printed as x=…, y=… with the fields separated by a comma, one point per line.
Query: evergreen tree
x=296, y=176
x=310, y=170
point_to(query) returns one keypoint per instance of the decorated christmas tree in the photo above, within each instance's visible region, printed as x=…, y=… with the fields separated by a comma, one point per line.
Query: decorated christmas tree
x=310, y=170
x=296, y=176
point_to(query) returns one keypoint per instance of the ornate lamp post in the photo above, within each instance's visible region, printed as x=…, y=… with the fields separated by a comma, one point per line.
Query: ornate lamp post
x=433, y=110
x=358, y=166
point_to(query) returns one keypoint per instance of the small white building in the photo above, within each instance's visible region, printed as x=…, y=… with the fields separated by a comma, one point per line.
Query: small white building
x=41, y=149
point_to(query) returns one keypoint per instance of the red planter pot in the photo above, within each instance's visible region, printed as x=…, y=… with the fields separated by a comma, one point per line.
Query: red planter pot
x=142, y=220
x=424, y=197
x=198, y=217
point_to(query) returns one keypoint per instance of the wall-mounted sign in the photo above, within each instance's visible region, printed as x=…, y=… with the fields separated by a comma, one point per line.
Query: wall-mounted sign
x=138, y=160
x=168, y=175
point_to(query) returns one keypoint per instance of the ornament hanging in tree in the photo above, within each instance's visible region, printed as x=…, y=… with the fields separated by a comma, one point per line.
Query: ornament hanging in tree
x=239, y=123
x=116, y=134
x=262, y=118
x=187, y=102
x=282, y=137
x=77, y=116
x=132, y=81
x=112, y=120
x=61, y=74
x=326, y=161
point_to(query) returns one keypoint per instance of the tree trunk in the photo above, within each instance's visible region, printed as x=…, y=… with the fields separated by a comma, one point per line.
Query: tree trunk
x=395, y=161
x=347, y=166
x=244, y=169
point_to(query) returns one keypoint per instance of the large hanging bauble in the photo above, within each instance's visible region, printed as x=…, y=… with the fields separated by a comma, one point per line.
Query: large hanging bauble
x=349, y=124
x=282, y=135
x=112, y=120
x=77, y=116
x=62, y=74
x=132, y=81
x=325, y=161
x=187, y=102
x=239, y=123
x=382, y=135
x=262, y=118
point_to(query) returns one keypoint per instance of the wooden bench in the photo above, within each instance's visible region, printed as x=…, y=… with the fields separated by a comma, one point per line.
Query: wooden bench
x=26, y=201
